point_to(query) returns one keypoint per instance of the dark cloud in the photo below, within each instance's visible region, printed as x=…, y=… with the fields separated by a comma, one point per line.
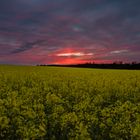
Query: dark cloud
x=27, y=46
x=43, y=27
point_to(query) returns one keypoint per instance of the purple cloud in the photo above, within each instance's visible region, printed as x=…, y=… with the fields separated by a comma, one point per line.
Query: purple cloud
x=32, y=31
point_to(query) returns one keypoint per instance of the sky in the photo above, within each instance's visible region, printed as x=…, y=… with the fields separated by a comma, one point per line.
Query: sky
x=69, y=31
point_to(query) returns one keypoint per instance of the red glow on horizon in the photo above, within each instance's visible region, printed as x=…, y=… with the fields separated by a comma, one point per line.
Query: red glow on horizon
x=71, y=55
x=68, y=61
x=74, y=56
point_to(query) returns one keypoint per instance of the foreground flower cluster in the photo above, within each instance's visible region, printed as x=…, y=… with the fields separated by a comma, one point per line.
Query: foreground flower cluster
x=68, y=103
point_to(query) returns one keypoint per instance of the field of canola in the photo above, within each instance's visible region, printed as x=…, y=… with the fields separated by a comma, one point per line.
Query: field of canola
x=54, y=103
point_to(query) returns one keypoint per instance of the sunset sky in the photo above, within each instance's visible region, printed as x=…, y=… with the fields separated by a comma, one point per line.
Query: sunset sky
x=69, y=31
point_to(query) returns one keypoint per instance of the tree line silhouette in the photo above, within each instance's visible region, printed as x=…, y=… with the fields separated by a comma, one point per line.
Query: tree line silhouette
x=114, y=65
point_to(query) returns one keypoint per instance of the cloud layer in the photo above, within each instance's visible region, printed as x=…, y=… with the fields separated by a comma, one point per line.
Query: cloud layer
x=69, y=31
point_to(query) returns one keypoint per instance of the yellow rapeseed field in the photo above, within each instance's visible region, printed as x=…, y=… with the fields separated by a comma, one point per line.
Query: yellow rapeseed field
x=55, y=103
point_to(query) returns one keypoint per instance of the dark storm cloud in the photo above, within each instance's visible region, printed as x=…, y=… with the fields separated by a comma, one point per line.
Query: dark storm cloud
x=27, y=46
x=98, y=26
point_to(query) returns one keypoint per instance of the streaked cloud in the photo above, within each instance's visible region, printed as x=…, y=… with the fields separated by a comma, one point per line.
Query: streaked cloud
x=27, y=46
x=40, y=31
x=77, y=54
x=119, y=51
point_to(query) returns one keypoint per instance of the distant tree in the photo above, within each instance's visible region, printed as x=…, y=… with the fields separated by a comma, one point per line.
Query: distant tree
x=134, y=62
